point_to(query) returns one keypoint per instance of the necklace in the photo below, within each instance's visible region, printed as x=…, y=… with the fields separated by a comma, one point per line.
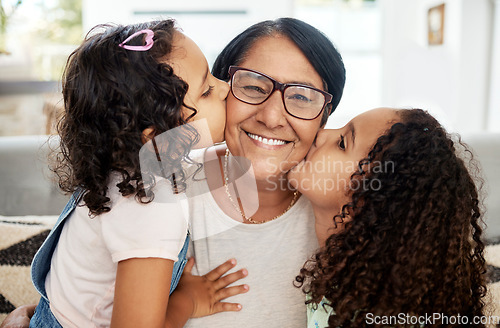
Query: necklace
x=236, y=204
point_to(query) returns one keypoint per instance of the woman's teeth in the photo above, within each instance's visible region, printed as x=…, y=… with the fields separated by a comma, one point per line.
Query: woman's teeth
x=271, y=142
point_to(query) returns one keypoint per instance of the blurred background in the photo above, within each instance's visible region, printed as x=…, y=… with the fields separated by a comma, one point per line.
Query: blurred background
x=443, y=56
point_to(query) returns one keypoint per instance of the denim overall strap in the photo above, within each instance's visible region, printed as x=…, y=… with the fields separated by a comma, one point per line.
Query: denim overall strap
x=41, y=261
x=179, y=265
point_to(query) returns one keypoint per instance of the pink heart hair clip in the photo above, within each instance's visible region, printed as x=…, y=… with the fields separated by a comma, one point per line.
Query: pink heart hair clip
x=147, y=46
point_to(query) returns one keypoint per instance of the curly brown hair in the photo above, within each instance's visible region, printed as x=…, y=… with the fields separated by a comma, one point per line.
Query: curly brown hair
x=111, y=95
x=412, y=245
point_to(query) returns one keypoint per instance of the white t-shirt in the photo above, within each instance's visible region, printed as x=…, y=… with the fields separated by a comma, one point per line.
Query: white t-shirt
x=80, y=283
x=273, y=253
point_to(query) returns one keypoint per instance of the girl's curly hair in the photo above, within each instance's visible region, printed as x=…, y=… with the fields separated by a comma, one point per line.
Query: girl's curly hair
x=413, y=242
x=111, y=95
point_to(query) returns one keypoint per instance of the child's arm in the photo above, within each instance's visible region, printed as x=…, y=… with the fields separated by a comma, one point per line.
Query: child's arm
x=142, y=293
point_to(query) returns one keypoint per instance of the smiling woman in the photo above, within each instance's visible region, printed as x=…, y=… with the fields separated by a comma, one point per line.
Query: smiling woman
x=291, y=136
x=286, y=78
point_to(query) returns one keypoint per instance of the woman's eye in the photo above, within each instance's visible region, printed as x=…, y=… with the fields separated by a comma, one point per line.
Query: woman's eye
x=342, y=143
x=299, y=98
x=255, y=89
x=208, y=92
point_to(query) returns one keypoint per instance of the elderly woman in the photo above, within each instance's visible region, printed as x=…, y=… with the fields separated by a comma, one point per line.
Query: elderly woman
x=286, y=78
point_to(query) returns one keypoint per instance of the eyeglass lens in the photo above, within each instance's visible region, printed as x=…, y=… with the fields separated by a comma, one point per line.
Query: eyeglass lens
x=299, y=101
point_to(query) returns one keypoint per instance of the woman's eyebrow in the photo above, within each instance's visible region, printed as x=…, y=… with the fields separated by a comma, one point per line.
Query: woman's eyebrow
x=303, y=83
x=353, y=132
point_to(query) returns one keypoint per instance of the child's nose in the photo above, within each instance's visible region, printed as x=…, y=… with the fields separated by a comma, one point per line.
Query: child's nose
x=224, y=89
x=324, y=136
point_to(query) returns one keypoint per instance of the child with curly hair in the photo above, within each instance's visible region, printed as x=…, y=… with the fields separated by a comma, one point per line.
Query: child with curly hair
x=120, y=244
x=398, y=222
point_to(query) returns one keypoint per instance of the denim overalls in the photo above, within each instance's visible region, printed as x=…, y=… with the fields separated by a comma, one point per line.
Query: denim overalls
x=40, y=266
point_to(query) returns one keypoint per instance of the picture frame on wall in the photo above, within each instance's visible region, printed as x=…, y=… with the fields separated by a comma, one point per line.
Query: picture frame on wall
x=435, y=24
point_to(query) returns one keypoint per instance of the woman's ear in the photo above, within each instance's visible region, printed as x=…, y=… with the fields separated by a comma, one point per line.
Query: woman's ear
x=148, y=134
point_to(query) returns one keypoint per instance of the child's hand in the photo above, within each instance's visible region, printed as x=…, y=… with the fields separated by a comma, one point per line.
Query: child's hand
x=206, y=292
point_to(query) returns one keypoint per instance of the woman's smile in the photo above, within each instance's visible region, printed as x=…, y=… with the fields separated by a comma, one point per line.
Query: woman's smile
x=261, y=140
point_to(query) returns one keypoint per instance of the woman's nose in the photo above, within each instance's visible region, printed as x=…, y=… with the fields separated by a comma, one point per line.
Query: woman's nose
x=272, y=112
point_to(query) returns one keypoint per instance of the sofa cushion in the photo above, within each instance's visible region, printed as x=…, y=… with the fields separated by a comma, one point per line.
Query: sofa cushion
x=26, y=188
x=486, y=149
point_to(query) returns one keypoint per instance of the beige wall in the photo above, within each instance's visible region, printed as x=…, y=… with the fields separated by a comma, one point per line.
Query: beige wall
x=452, y=80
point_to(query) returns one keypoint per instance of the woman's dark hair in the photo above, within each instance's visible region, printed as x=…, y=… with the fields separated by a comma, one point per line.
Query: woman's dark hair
x=412, y=244
x=318, y=49
x=111, y=95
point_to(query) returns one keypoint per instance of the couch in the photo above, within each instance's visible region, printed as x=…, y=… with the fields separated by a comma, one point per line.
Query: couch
x=26, y=187
x=30, y=203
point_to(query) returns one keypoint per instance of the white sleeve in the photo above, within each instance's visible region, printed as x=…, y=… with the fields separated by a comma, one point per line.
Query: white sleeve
x=135, y=230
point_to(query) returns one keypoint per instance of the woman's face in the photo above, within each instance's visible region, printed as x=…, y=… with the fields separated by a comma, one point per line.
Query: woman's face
x=248, y=126
x=325, y=174
x=206, y=93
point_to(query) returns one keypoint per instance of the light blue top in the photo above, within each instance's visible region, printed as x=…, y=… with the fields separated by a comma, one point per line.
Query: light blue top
x=317, y=315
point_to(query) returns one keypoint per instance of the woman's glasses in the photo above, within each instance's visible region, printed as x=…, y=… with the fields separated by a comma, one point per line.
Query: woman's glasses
x=300, y=101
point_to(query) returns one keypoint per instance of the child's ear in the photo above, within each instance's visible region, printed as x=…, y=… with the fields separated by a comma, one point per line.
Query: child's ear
x=147, y=134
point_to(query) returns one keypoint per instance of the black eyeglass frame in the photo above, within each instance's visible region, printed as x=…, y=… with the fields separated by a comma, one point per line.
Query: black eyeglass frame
x=281, y=87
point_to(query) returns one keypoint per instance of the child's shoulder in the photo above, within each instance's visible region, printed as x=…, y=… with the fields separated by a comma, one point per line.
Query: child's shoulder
x=162, y=196
x=198, y=154
x=113, y=192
